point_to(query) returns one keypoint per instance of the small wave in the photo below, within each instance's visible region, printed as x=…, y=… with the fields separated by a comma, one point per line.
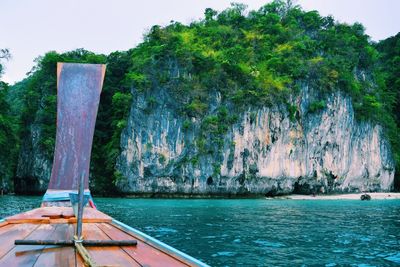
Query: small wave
x=394, y=258
x=224, y=254
x=160, y=229
x=213, y=224
x=270, y=244
x=167, y=230
x=209, y=237
x=343, y=241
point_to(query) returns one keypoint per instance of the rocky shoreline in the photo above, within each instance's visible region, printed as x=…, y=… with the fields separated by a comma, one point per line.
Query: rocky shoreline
x=356, y=196
x=350, y=196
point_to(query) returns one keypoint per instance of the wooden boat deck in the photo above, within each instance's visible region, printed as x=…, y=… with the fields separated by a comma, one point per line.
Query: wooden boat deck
x=54, y=223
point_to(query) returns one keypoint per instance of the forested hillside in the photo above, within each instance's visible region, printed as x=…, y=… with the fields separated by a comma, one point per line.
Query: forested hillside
x=212, y=71
x=390, y=67
x=9, y=129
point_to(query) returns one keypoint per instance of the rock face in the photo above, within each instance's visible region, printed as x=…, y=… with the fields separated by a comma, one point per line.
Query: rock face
x=266, y=152
x=34, y=167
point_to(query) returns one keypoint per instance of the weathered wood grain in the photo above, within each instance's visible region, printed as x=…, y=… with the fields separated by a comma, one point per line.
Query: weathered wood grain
x=45, y=228
x=145, y=254
x=57, y=215
x=27, y=255
x=9, y=233
x=78, y=95
x=61, y=256
x=114, y=256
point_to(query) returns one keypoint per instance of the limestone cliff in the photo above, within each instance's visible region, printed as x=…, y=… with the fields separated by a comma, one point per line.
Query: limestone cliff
x=34, y=166
x=240, y=102
x=265, y=152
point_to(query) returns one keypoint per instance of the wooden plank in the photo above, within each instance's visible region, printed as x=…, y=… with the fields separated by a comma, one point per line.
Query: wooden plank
x=9, y=233
x=143, y=253
x=32, y=216
x=110, y=256
x=27, y=255
x=91, y=215
x=57, y=215
x=7, y=228
x=58, y=255
x=27, y=218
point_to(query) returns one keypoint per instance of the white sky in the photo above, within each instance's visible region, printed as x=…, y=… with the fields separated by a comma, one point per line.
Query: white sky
x=30, y=28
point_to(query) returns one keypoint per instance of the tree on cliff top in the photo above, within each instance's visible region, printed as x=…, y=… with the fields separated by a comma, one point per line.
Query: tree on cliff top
x=4, y=54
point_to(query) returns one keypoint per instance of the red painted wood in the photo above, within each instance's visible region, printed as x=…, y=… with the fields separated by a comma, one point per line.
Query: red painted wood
x=56, y=255
x=79, y=87
x=26, y=255
x=57, y=215
x=110, y=256
x=145, y=254
x=23, y=255
x=9, y=233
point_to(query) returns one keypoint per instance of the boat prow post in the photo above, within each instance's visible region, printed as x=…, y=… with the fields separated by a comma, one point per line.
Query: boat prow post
x=78, y=95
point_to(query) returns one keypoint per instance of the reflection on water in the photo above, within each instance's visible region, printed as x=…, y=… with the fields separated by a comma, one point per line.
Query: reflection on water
x=261, y=232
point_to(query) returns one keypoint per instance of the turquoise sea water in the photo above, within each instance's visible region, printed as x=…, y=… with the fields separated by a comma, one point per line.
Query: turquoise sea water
x=258, y=232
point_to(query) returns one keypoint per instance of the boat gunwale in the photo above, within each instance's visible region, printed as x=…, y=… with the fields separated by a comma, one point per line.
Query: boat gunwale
x=179, y=255
x=3, y=222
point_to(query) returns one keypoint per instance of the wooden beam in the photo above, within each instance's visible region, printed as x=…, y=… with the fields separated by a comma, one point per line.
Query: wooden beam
x=96, y=243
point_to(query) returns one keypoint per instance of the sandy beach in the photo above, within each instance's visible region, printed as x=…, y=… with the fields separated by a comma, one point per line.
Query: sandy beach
x=356, y=196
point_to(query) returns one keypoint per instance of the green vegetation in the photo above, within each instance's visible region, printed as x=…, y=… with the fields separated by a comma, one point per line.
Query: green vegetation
x=316, y=106
x=243, y=59
x=292, y=112
x=9, y=142
x=390, y=67
x=260, y=58
x=186, y=125
x=4, y=54
x=39, y=95
x=161, y=159
x=36, y=105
